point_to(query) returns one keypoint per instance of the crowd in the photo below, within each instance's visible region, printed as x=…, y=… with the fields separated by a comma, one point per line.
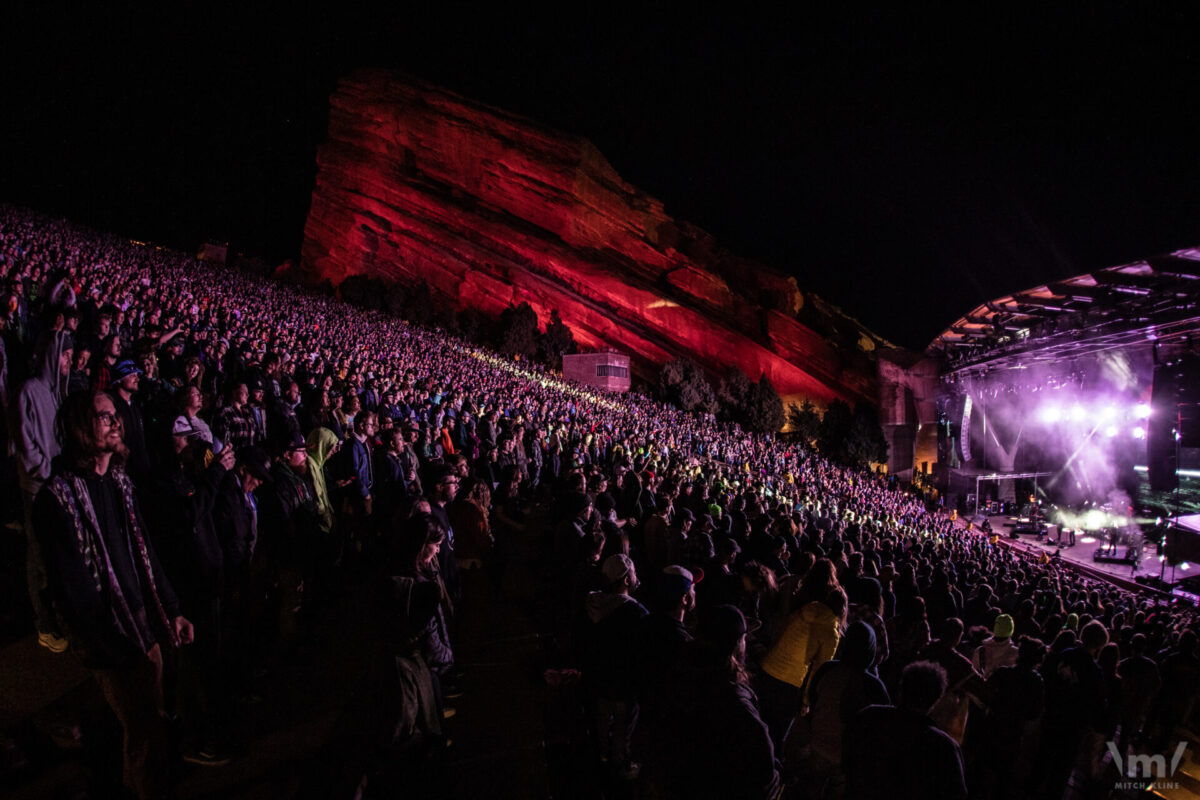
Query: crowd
x=205, y=456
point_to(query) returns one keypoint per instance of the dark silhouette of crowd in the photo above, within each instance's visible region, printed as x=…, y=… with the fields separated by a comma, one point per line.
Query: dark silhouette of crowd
x=206, y=459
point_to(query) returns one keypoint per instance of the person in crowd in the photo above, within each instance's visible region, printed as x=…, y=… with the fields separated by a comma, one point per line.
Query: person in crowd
x=182, y=517
x=233, y=424
x=417, y=560
x=810, y=638
x=357, y=468
x=609, y=664
x=289, y=531
x=443, y=489
x=282, y=420
x=726, y=750
x=998, y=651
x=391, y=473
x=126, y=380
x=189, y=403
x=1180, y=673
x=37, y=445
x=81, y=378
x=1009, y=734
x=1141, y=682
x=663, y=635
x=897, y=751
x=236, y=517
x=106, y=361
x=1076, y=711
x=839, y=690
x=117, y=602
x=256, y=409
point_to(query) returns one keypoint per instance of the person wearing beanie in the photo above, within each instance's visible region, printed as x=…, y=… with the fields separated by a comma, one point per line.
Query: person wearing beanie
x=998, y=651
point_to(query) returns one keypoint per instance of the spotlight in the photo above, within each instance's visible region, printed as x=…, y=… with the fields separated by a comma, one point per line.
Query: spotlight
x=1108, y=412
x=1110, y=431
x=1141, y=411
x=1077, y=413
x=1051, y=414
x=1139, y=432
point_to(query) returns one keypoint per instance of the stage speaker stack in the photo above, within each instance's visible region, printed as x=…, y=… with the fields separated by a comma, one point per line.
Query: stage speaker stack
x=1175, y=404
x=1189, y=400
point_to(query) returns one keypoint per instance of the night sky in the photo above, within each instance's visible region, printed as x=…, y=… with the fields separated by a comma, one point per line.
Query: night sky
x=905, y=168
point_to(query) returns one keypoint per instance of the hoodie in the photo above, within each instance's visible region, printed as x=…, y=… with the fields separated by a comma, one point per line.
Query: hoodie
x=843, y=687
x=321, y=442
x=37, y=407
x=610, y=644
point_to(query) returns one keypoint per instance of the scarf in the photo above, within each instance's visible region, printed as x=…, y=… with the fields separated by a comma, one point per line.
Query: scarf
x=72, y=494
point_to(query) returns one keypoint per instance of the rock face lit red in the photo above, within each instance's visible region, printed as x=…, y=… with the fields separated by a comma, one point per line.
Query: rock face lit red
x=417, y=183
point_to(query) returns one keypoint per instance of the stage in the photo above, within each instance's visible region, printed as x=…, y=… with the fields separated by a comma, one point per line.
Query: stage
x=1081, y=556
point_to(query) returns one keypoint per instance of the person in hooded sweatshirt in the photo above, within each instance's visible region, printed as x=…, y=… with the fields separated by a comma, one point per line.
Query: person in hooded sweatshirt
x=838, y=690
x=37, y=445
x=610, y=663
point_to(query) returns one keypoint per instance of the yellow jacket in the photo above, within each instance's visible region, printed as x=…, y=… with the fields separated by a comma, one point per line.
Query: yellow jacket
x=809, y=639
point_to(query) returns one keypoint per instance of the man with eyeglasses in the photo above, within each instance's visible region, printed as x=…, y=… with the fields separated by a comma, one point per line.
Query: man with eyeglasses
x=117, y=603
x=443, y=487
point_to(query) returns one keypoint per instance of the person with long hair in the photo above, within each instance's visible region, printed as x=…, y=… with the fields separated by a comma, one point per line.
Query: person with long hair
x=724, y=748
x=411, y=558
x=810, y=638
x=108, y=585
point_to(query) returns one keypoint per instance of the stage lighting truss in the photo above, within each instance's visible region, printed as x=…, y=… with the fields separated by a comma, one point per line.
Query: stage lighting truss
x=1134, y=305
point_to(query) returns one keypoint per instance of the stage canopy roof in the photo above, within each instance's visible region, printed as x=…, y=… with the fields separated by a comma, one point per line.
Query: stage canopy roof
x=1135, y=305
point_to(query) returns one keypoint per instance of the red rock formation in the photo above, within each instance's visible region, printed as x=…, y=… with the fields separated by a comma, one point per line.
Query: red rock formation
x=416, y=183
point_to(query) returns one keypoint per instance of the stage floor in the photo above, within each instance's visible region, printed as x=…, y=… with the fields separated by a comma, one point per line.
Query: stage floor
x=1081, y=554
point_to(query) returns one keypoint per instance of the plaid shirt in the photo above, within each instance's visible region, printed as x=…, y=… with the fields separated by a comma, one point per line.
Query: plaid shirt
x=234, y=427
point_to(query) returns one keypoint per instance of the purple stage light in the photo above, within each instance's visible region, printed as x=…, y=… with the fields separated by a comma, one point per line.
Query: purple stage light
x=1110, y=431
x=1051, y=414
x=1139, y=432
x=1141, y=411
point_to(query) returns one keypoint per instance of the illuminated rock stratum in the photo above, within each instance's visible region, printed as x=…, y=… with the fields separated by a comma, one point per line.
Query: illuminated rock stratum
x=416, y=183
